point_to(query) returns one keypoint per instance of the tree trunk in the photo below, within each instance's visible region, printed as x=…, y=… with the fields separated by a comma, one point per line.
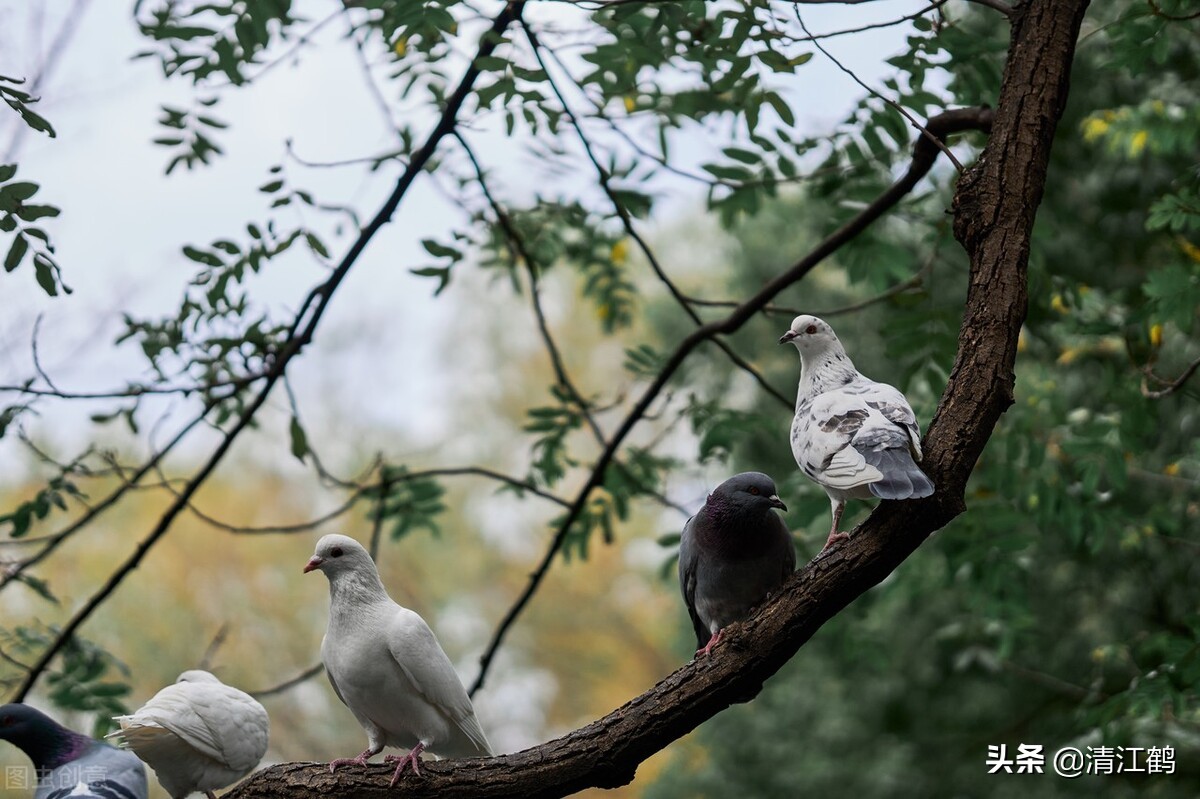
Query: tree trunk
x=994, y=210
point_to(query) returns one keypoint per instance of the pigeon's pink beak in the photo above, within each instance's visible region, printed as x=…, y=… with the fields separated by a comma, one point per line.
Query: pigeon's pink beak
x=313, y=564
x=788, y=336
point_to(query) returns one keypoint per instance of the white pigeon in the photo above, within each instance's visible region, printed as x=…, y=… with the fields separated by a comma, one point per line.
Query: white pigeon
x=386, y=666
x=198, y=734
x=852, y=436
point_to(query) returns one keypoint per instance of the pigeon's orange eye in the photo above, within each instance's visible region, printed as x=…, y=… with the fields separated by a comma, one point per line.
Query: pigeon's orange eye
x=336, y=552
x=810, y=329
x=754, y=491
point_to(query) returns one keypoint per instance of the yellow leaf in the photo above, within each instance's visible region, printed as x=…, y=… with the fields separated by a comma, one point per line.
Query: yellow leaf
x=1094, y=128
x=1069, y=355
x=630, y=104
x=620, y=252
x=1171, y=469
x=1189, y=249
x=401, y=46
x=1056, y=302
x=1137, y=142
x=1022, y=344
x=1156, y=335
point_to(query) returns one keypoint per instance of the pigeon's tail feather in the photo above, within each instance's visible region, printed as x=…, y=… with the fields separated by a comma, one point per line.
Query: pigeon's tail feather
x=902, y=478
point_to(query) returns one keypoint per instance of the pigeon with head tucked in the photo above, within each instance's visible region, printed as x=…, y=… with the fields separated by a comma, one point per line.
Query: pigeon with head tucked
x=854, y=437
x=198, y=734
x=732, y=553
x=68, y=763
x=386, y=666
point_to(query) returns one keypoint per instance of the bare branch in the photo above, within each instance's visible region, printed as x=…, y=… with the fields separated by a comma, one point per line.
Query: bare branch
x=778, y=310
x=892, y=103
x=1169, y=386
x=214, y=645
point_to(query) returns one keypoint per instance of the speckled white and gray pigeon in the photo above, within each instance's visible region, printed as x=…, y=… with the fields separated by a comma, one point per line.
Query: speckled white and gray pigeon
x=386, y=666
x=68, y=763
x=732, y=553
x=198, y=734
x=852, y=436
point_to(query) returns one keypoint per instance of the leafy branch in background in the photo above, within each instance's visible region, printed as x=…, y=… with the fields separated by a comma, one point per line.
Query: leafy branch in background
x=17, y=213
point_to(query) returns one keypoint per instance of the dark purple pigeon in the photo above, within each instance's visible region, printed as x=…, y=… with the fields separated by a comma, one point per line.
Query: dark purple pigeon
x=69, y=763
x=733, y=552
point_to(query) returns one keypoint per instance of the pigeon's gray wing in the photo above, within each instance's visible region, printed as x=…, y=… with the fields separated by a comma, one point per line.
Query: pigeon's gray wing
x=108, y=773
x=890, y=441
x=787, y=549
x=892, y=405
x=688, y=555
x=426, y=665
x=822, y=436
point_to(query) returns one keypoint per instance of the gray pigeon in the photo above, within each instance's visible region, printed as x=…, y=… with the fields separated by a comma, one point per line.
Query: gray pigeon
x=198, y=734
x=733, y=552
x=852, y=436
x=386, y=666
x=69, y=763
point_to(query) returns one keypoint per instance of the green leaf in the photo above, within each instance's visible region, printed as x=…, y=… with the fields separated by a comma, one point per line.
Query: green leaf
x=43, y=270
x=442, y=273
x=16, y=252
x=441, y=250
x=299, y=440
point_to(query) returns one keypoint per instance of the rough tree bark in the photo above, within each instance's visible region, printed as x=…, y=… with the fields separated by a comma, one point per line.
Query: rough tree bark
x=994, y=209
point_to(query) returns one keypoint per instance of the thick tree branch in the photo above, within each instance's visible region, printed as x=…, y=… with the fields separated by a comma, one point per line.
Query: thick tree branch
x=300, y=334
x=995, y=206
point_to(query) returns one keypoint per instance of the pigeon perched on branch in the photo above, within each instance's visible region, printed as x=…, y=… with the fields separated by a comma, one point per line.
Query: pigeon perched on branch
x=69, y=763
x=733, y=552
x=852, y=436
x=386, y=666
x=198, y=734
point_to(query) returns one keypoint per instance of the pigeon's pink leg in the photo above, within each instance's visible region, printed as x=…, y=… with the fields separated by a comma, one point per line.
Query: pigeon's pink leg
x=711, y=643
x=414, y=757
x=361, y=760
x=834, y=535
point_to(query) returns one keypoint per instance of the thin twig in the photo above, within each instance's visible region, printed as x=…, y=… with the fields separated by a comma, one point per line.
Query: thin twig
x=214, y=645
x=1169, y=386
x=895, y=105
x=291, y=682
x=778, y=310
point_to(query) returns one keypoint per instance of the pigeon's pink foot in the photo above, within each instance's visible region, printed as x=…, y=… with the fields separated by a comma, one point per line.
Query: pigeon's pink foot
x=361, y=760
x=413, y=757
x=711, y=643
x=834, y=537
